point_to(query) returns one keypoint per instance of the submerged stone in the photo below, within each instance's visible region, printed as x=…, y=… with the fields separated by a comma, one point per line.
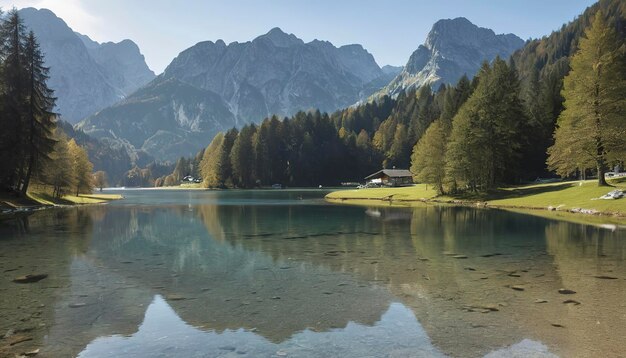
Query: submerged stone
x=30, y=278
x=565, y=291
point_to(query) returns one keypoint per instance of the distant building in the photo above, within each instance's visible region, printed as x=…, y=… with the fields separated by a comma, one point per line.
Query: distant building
x=391, y=177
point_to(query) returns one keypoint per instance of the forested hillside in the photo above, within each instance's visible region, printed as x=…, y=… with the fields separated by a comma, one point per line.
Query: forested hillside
x=494, y=129
x=33, y=151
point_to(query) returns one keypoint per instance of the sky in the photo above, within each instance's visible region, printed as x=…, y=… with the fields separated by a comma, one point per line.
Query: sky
x=390, y=30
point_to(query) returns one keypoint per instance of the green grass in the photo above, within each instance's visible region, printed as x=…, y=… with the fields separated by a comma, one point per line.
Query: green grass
x=46, y=199
x=92, y=198
x=418, y=192
x=565, y=195
x=191, y=186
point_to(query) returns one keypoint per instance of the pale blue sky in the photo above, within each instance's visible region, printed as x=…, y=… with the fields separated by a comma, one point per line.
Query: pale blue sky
x=390, y=30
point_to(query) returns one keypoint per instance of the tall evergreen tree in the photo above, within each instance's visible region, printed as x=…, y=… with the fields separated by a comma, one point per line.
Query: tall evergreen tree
x=13, y=131
x=242, y=158
x=592, y=126
x=485, y=139
x=38, y=110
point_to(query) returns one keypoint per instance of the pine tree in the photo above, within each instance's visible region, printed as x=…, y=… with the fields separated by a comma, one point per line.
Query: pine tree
x=13, y=129
x=262, y=154
x=242, y=158
x=592, y=126
x=484, y=144
x=38, y=110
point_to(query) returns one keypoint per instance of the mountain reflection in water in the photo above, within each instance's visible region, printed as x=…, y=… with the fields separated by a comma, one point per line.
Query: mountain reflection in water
x=397, y=333
x=282, y=272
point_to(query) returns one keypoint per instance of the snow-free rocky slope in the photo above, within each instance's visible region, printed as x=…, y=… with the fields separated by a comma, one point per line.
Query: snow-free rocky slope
x=212, y=86
x=453, y=48
x=85, y=78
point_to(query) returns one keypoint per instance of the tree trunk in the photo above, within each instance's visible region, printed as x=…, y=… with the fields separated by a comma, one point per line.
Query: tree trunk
x=601, y=162
x=31, y=164
x=601, y=171
x=600, y=155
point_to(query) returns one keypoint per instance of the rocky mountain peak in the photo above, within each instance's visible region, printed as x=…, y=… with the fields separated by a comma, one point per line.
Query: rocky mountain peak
x=461, y=32
x=453, y=48
x=237, y=83
x=85, y=75
x=46, y=25
x=281, y=38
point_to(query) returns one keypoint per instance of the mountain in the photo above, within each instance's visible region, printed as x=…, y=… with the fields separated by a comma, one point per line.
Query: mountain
x=85, y=79
x=277, y=73
x=213, y=86
x=166, y=119
x=106, y=156
x=122, y=62
x=453, y=47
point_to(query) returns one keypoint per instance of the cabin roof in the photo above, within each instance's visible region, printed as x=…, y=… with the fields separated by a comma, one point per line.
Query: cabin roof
x=392, y=173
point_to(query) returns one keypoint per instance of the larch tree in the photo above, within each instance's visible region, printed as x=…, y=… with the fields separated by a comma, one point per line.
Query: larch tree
x=428, y=158
x=61, y=173
x=213, y=163
x=82, y=168
x=591, y=128
x=100, y=179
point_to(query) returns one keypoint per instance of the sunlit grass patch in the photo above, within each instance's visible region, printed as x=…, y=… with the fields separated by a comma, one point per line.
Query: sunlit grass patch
x=416, y=193
x=560, y=196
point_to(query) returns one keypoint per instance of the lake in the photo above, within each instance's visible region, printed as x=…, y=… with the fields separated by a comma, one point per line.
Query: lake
x=282, y=273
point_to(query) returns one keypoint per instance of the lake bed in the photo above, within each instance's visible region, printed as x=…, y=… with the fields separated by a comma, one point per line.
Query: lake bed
x=284, y=273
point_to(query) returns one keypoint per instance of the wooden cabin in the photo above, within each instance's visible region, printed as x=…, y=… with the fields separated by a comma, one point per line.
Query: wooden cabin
x=391, y=177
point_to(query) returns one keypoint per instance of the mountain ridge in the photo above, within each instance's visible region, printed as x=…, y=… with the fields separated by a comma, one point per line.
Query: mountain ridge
x=275, y=73
x=453, y=48
x=83, y=81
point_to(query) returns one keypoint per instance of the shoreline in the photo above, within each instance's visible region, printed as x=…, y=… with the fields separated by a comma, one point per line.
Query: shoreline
x=555, y=200
x=529, y=210
x=36, y=202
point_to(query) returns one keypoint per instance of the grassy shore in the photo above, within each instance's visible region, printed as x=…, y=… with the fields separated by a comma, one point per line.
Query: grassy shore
x=562, y=196
x=419, y=192
x=37, y=200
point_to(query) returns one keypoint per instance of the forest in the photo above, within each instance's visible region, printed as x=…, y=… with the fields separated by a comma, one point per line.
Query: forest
x=556, y=107
x=33, y=151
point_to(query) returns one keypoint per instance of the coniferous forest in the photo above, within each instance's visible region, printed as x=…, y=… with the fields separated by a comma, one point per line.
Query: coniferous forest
x=33, y=151
x=556, y=107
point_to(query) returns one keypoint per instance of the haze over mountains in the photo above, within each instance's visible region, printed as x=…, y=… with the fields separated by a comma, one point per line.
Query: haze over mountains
x=88, y=78
x=214, y=86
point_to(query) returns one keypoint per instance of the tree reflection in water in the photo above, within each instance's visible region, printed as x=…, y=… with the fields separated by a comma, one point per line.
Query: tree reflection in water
x=279, y=272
